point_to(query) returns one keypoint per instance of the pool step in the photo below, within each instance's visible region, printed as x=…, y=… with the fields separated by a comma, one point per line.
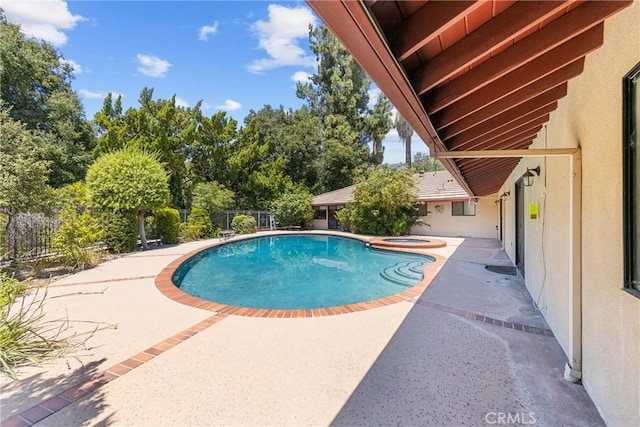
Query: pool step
x=406, y=273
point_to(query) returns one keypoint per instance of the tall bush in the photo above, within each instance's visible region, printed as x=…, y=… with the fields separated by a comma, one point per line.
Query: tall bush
x=119, y=228
x=77, y=237
x=78, y=234
x=167, y=222
x=293, y=208
x=384, y=203
x=198, y=225
x=243, y=224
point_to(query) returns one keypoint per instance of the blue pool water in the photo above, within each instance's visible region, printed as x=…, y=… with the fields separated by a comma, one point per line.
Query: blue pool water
x=297, y=272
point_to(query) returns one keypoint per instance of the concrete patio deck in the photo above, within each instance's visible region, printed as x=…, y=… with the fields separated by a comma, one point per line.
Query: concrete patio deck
x=471, y=350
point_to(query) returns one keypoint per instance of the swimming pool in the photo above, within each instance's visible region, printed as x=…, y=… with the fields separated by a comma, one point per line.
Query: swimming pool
x=297, y=272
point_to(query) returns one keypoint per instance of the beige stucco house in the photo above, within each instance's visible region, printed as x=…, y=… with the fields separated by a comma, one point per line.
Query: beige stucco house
x=445, y=208
x=544, y=92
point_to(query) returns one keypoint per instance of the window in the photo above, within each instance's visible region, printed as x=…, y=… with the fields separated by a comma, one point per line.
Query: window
x=422, y=209
x=463, y=208
x=631, y=177
x=319, y=213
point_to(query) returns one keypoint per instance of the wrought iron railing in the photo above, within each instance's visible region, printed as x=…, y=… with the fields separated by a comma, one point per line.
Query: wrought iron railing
x=28, y=235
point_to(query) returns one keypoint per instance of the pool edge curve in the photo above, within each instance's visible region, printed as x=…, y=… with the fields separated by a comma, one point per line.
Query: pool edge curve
x=165, y=285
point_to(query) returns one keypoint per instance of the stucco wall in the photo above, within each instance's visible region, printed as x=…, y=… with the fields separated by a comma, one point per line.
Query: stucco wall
x=589, y=117
x=483, y=224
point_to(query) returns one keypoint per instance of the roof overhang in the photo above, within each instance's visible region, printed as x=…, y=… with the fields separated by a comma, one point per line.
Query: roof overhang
x=471, y=75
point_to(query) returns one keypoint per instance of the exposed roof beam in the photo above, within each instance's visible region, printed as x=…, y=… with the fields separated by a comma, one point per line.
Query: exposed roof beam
x=489, y=171
x=473, y=137
x=426, y=24
x=521, y=140
x=500, y=30
x=532, y=47
x=489, y=114
x=489, y=141
x=530, y=152
x=544, y=65
x=550, y=36
x=476, y=166
x=478, y=170
x=462, y=109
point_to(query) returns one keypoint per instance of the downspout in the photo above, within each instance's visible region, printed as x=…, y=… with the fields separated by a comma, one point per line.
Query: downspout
x=573, y=368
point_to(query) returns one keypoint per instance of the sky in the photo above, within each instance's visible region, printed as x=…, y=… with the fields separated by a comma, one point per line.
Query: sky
x=234, y=56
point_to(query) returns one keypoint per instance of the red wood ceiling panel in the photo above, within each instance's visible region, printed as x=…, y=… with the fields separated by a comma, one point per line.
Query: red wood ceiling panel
x=536, y=69
x=501, y=29
x=476, y=103
x=494, y=112
x=426, y=25
x=475, y=136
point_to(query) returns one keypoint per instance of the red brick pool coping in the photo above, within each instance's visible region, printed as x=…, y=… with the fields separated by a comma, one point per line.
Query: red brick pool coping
x=165, y=285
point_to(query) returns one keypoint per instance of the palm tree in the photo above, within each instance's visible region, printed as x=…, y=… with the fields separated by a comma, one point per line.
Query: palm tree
x=404, y=132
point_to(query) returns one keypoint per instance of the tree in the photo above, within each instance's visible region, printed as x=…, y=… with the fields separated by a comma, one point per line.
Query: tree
x=23, y=176
x=294, y=208
x=338, y=96
x=36, y=89
x=292, y=136
x=378, y=124
x=404, y=132
x=208, y=153
x=128, y=179
x=212, y=197
x=383, y=203
x=254, y=174
x=422, y=162
x=156, y=126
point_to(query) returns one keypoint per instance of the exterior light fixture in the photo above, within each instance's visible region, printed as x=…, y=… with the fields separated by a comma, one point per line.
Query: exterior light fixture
x=527, y=178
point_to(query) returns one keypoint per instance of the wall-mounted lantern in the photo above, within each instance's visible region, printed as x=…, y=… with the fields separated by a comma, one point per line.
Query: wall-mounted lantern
x=527, y=178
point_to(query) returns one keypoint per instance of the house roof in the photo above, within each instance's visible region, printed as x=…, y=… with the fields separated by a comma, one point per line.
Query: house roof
x=471, y=75
x=432, y=186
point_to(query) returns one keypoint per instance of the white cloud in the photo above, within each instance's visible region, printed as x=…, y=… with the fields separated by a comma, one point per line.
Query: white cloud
x=279, y=37
x=206, y=30
x=301, y=76
x=152, y=66
x=44, y=20
x=373, y=96
x=181, y=103
x=229, y=105
x=77, y=68
x=206, y=106
x=87, y=94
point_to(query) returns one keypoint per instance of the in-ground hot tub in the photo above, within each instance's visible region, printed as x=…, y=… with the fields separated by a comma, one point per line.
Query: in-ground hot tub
x=413, y=242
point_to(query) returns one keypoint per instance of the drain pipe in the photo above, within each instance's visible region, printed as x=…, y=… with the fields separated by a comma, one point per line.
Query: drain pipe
x=573, y=369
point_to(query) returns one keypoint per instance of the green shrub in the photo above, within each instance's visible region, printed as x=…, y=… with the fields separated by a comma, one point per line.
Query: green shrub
x=294, y=209
x=10, y=290
x=167, y=225
x=77, y=237
x=243, y=224
x=383, y=204
x=198, y=225
x=25, y=337
x=119, y=230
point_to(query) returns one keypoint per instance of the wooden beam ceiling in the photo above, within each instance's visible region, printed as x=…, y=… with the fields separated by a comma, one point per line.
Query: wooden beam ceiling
x=472, y=75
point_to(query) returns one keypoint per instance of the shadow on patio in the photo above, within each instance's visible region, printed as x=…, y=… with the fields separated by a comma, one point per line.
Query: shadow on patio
x=447, y=368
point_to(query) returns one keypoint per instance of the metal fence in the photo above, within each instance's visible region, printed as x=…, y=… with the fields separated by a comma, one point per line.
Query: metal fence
x=29, y=235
